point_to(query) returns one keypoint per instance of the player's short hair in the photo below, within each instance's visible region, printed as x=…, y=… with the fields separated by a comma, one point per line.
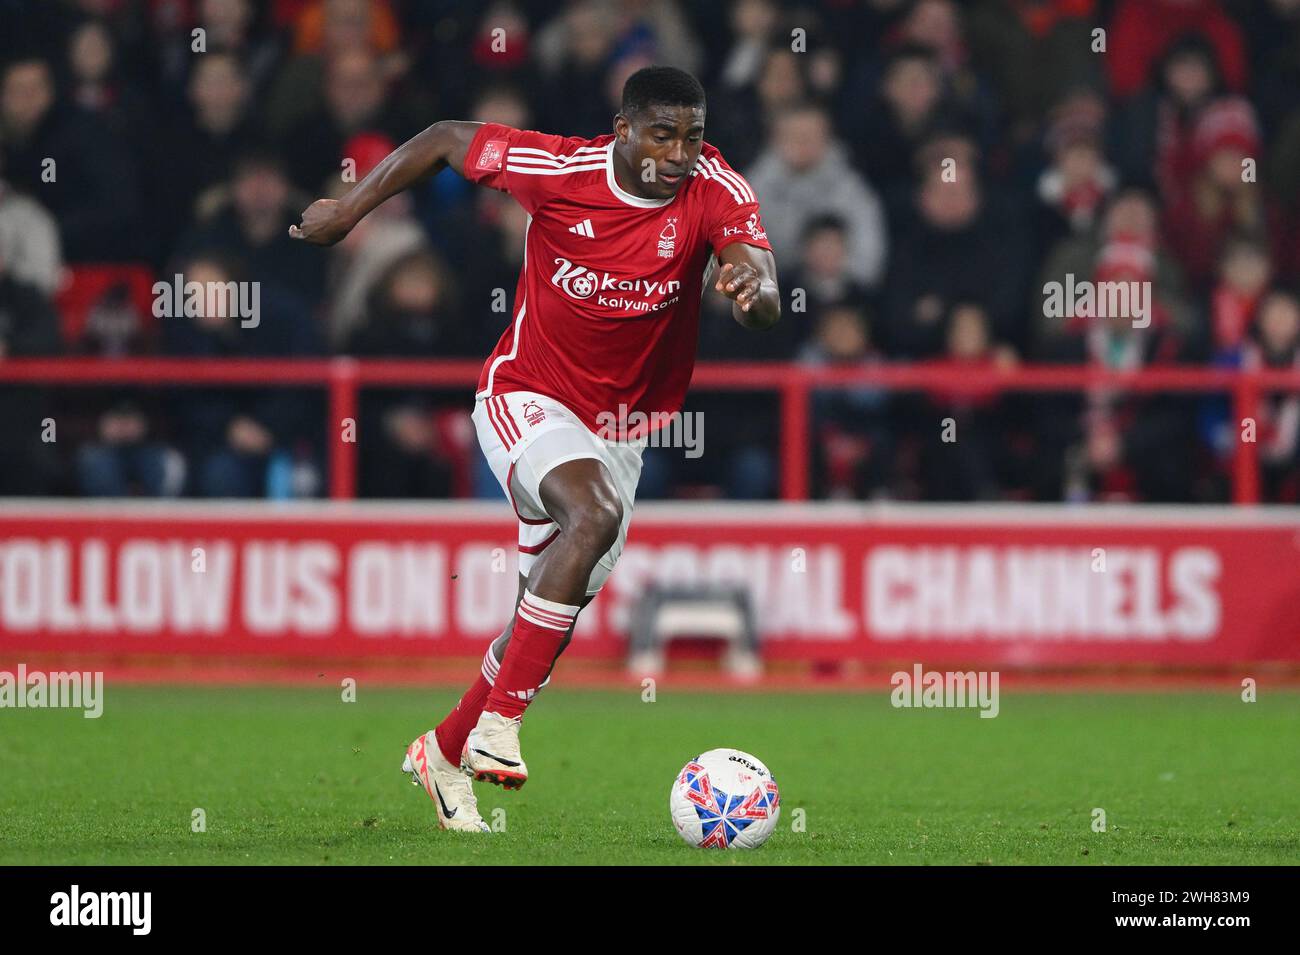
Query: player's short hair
x=660, y=86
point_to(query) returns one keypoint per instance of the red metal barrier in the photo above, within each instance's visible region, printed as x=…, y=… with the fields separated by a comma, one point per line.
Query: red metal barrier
x=795, y=384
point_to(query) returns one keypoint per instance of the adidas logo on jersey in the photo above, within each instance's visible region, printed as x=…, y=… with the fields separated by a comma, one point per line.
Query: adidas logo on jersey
x=583, y=228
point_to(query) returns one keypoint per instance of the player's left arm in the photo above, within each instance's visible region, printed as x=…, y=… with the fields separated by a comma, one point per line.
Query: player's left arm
x=748, y=278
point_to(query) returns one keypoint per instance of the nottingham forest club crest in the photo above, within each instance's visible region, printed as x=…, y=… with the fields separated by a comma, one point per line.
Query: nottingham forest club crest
x=533, y=413
x=668, y=239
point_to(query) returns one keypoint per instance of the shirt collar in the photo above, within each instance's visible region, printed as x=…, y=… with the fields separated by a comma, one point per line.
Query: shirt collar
x=623, y=195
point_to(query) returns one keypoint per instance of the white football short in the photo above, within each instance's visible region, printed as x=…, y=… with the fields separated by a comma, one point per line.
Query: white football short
x=523, y=436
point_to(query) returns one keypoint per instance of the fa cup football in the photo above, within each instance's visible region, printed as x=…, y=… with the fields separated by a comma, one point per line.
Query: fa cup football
x=725, y=799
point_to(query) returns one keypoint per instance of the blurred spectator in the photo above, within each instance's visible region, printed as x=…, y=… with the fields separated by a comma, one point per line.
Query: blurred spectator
x=827, y=275
x=326, y=26
x=108, y=311
x=123, y=459
x=657, y=30
x=252, y=226
x=412, y=311
x=1244, y=274
x=327, y=31
x=754, y=26
x=206, y=143
x=824, y=281
x=853, y=447
x=1282, y=186
x=1155, y=128
x=1035, y=50
x=458, y=51
x=1074, y=188
x=1142, y=30
x=804, y=173
x=1128, y=233
x=1113, y=444
x=763, y=77
x=244, y=441
x=489, y=261
x=388, y=234
x=1220, y=198
x=412, y=315
x=109, y=314
x=1277, y=346
x=590, y=29
x=96, y=84
x=1263, y=340
x=502, y=46
x=29, y=240
x=892, y=127
x=1273, y=37
x=356, y=101
x=28, y=328
x=238, y=28
x=72, y=163
x=955, y=247
x=937, y=25
x=232, y=28
x=962, y=429
x=444, y=204
x=740, y=120
x=739, y=444
x=573, y=52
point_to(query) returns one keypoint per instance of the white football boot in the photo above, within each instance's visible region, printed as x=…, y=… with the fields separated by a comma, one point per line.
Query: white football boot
x=451, y=792
x=491, y=752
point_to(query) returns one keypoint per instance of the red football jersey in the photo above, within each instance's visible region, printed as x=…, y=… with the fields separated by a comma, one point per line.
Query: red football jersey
x=607, y=309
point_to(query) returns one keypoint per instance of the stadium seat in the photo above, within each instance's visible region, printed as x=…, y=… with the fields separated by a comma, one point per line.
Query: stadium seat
x=89, y=286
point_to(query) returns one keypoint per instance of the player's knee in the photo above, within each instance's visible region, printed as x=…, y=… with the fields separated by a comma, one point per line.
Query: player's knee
x=597, y=522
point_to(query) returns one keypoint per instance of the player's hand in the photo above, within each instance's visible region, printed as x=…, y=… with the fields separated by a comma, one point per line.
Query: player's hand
x=740, y=283
x=323, y=223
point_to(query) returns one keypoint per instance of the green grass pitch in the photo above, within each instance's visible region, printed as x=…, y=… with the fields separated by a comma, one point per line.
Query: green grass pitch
x=296, y=776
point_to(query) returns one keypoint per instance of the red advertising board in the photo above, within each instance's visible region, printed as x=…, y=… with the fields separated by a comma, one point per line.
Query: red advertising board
x=1008, y=586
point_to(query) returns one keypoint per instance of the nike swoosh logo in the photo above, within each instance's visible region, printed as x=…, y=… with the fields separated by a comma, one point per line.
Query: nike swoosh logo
x=503, y=762
x=449, y=813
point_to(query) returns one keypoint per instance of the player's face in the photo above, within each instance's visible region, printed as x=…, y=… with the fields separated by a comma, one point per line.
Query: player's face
x=663, y=144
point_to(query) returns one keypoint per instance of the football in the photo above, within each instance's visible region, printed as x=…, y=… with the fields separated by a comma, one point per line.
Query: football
x=725, y=799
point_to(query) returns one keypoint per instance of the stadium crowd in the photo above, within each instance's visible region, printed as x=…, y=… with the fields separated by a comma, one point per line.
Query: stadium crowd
x=924, y=167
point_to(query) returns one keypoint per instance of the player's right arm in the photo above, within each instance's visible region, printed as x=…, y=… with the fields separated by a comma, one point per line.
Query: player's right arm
x=443, y=144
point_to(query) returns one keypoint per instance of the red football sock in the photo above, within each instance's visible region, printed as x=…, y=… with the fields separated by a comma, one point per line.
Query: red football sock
x=452, y=732
x=540, y=627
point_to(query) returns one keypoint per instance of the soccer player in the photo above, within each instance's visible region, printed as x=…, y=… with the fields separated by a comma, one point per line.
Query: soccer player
x=624, y=232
